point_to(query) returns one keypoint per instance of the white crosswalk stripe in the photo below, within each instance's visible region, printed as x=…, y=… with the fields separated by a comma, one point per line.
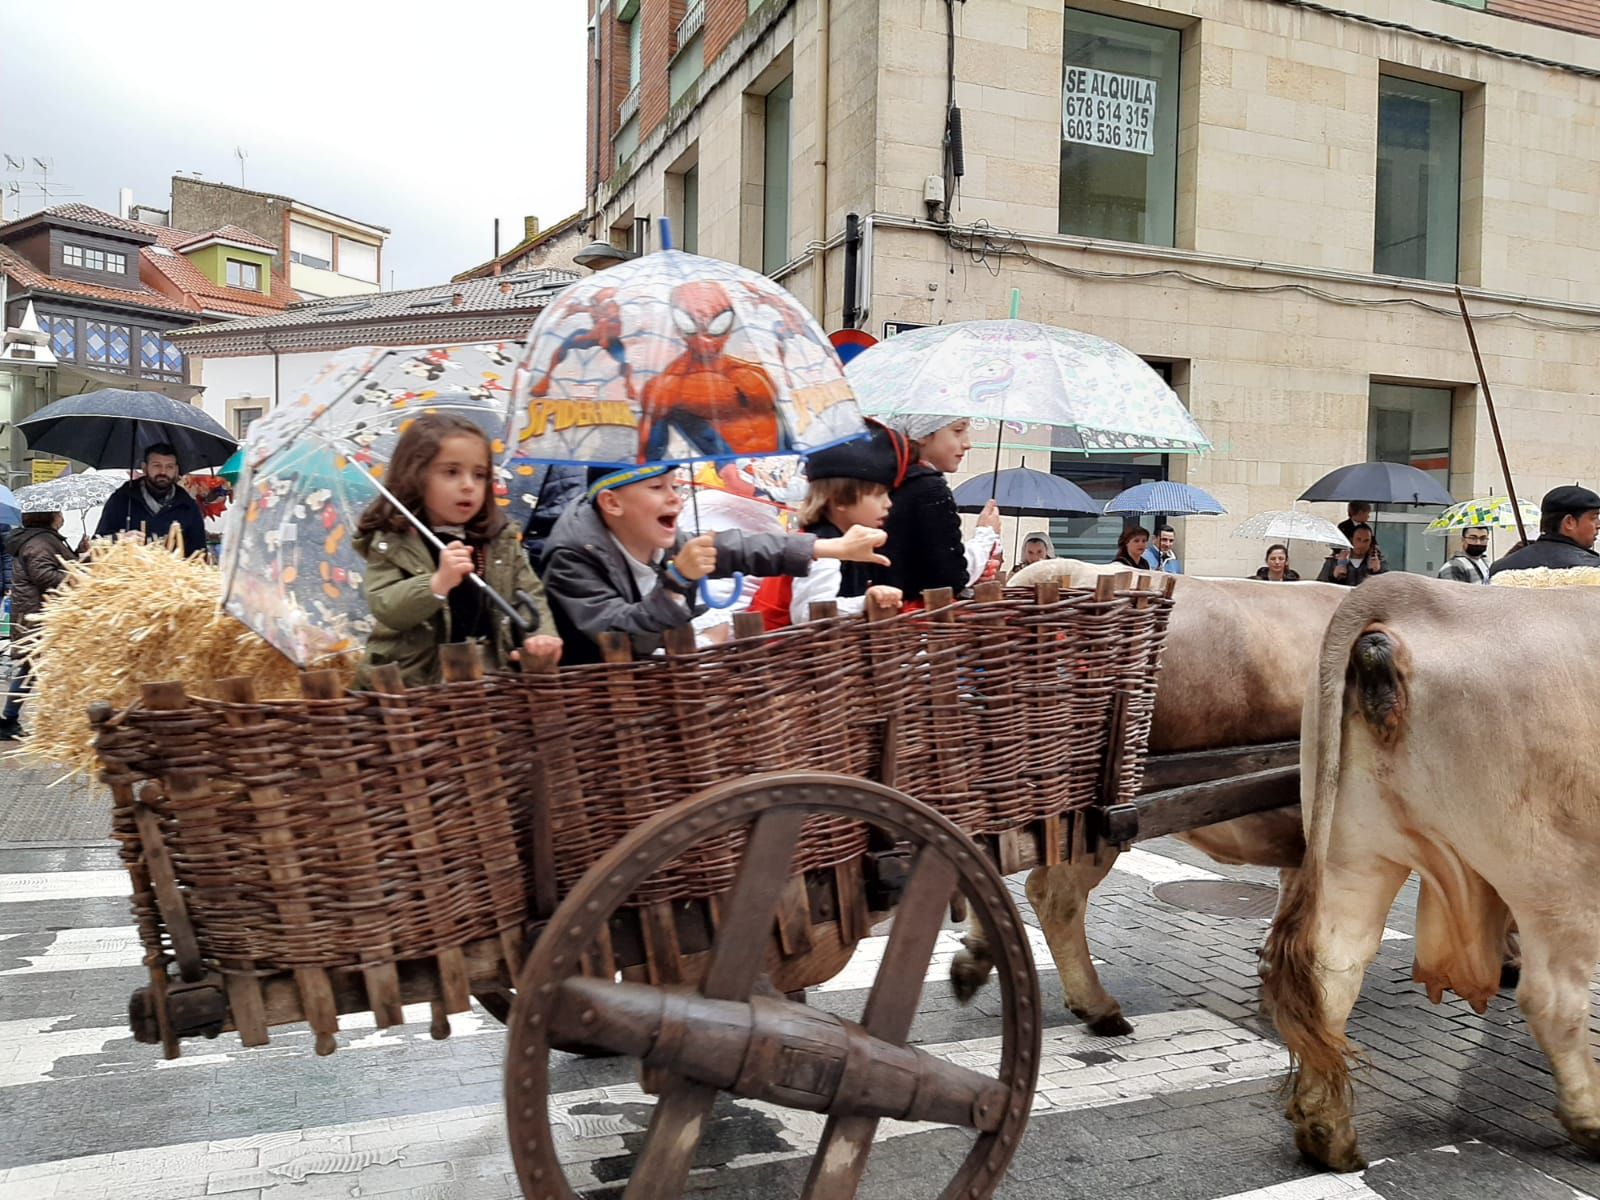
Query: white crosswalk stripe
x=63, y=885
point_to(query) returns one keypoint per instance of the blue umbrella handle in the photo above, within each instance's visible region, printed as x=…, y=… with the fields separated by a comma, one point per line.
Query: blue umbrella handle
x=712, y=602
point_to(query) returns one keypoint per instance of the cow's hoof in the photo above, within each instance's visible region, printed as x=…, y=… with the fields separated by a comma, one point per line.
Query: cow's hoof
x=1333, y=1148
x=1585, y=1134
x=968, y=973
x=1113, y=1024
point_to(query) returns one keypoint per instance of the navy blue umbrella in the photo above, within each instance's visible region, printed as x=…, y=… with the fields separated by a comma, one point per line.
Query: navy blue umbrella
x=113, y=427
x=1021, y=492
x=1379, y=483
x=1174, y=499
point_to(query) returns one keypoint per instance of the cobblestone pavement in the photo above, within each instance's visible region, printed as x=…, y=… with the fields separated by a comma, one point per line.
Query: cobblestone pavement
x=1452, y=1107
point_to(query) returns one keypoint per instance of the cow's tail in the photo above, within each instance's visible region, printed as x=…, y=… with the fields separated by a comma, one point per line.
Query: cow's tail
x=1355, y=650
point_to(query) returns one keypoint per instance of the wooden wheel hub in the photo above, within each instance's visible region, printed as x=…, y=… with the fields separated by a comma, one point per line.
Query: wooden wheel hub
x=721, y=1037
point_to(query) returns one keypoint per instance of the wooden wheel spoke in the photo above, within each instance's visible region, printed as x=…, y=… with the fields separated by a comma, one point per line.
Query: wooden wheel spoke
x=740, y=951
x=898, y=988
x=676, y=1126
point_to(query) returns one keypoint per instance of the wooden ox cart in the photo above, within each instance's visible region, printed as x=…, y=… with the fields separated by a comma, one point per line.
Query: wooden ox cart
x=654, y=858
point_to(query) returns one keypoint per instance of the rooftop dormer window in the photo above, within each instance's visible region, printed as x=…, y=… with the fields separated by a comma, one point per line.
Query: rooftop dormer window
x=244, y=275
x=87, y=258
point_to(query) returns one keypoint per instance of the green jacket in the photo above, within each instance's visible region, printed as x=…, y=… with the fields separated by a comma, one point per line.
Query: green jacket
x=411, y=623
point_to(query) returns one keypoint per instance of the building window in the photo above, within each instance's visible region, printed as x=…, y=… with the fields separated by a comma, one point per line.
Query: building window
x=244, y=416
x=310, y=247
x=358, y=260
x=171, y=358
x=63, y=333
x=1419, y=181
x=96, y=341
x=775, y=177
x=1119, y=129
x=635, y=50
x=690, y=237
x=149, y=351
x=90, y=259
x=244, y=275
x=1410, y=425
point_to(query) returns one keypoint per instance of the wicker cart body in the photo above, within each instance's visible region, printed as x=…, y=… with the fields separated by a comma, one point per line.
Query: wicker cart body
x=647, y=856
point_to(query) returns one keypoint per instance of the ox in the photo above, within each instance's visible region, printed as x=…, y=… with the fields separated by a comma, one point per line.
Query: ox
x=1238, y=659
x=1396, y=777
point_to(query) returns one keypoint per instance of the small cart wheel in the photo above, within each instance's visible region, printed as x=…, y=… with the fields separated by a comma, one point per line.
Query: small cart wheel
x=728, y=1036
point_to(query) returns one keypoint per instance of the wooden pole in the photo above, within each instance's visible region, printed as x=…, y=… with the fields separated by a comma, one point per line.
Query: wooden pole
x=1494, y=422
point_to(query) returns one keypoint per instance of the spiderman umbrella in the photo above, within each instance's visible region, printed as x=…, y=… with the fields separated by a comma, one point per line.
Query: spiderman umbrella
x=673, y=359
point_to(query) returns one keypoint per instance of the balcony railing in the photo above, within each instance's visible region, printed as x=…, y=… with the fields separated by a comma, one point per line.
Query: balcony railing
x=691, y=23
x=630, y=105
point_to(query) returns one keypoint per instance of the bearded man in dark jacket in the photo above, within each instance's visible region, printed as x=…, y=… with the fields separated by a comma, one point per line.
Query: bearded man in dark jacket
x=155, y=503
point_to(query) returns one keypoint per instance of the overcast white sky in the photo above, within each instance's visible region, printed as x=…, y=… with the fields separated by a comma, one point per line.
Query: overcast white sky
x=432, y=123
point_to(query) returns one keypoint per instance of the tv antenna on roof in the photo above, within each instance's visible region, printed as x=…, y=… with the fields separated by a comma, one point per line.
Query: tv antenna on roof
x=238, y=152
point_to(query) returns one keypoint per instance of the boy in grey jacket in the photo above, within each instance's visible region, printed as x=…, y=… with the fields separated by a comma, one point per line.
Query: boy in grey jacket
x=617, y=562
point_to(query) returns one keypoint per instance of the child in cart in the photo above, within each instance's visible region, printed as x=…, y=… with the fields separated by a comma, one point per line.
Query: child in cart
x=617, y=562
x=925, y=542
x=420, y=596
x=848, y=485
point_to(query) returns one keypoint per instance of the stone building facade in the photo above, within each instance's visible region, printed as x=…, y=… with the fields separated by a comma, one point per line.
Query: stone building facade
x=1276, y=216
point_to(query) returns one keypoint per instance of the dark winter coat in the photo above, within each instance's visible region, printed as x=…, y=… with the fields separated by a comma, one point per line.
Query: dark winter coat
x=126, y=510
x=1551, y=550
x=925, y=548
x=37, y=569
x=559, y=488
x=592, y=590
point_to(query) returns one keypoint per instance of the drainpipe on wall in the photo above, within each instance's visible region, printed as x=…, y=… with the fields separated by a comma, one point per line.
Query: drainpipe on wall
x=819, y=277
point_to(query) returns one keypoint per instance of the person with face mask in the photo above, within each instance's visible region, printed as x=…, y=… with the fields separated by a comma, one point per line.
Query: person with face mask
x=1472, y=564
x=147, y=507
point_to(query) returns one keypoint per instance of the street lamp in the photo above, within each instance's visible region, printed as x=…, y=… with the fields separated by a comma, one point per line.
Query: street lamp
x=597, y=256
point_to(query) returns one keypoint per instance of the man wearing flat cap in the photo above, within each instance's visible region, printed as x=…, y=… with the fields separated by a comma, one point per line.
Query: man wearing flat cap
x=1569, y=519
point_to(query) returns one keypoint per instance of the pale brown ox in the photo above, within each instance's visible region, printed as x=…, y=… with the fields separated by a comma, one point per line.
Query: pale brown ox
x=1448, y=734
x=1239, y=656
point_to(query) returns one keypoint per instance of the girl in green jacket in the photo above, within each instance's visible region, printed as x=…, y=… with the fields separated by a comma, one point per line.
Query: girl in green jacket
x=420, y=597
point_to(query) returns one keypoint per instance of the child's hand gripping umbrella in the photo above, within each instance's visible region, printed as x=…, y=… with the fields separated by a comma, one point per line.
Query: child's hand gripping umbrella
x=289, y=570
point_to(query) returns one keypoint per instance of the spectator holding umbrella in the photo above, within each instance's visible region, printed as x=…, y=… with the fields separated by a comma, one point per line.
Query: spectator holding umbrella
x=152, y=504
x=1351, y=566
x=39, y=556
x=1277, y=569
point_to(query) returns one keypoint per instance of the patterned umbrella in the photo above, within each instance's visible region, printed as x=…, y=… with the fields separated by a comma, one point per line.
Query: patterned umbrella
x=1492, y=512
x=1164, y=497
x=67, y=493
x=312, y=465
x=1290, y=526
x=1099, y=396
x=675, y=358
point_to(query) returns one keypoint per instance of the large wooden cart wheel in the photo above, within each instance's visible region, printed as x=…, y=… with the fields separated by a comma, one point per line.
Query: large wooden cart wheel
x=730, y=1035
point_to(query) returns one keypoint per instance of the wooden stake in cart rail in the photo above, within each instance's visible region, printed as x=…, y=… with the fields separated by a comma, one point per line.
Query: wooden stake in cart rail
x=1494, y=421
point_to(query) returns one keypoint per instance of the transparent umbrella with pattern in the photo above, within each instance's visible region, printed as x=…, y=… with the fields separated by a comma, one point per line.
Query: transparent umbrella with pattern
x=674, y=358
x=1491, y=512
x=1096, y=396
x=312, y=465
x=1287, y=525
x=67, y=493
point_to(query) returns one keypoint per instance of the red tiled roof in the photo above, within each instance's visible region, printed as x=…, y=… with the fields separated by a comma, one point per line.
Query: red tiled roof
x=229, y=233
x=182, y=276
x=35, y=280
x=93, y=216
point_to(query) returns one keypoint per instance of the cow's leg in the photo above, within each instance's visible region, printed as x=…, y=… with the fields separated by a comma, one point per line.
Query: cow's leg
x=1558, y=957
x=1060, y=897
x=1328, y=929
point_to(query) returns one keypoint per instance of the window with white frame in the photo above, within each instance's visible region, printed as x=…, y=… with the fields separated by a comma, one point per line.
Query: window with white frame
x=89, y=258
x=310, y=246
x=244, y=275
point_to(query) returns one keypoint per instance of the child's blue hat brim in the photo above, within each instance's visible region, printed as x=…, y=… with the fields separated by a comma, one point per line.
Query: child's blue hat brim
x=604, y=479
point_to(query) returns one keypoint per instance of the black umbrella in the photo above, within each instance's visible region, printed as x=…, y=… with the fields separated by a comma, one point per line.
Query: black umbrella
x=1379, y=483
x=113, y=427
x=1021, y=492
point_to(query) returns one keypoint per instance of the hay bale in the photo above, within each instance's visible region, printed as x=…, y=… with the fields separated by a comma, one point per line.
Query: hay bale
x=1549, y=577
x=135, y=614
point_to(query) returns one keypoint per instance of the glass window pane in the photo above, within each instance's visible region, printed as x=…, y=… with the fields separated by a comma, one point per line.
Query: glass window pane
x=691, y=210
x=775, y=179
x=63, y=333
x=358, y=260
x=96, y=341
x=171, y=357
x=1410, y=425
x=72, y=256
x=119, y=345
x=311, y=246
x=149, y=350
x=116, y=262
x=635, y=49
x=1419, y=180
x=1119, y=129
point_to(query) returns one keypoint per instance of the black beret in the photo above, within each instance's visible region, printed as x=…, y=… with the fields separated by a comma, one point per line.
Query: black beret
x=1568, y=498
x=880, y=456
